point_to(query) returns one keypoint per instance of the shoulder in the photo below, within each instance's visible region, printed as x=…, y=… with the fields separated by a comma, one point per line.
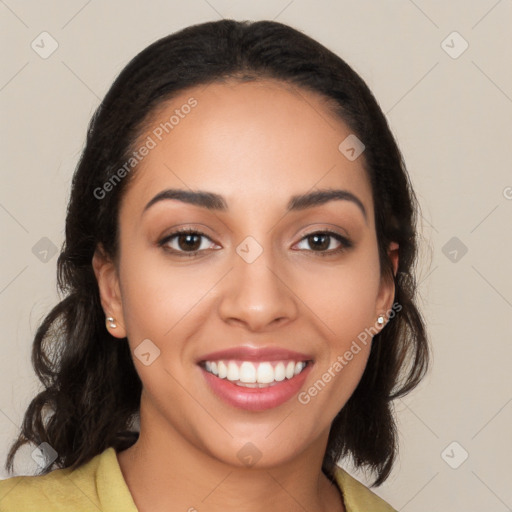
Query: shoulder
x=96, y=485
x=357, y=497
x=56, y=491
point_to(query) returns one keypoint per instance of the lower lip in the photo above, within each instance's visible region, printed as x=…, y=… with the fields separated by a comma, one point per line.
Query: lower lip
x=256, y=399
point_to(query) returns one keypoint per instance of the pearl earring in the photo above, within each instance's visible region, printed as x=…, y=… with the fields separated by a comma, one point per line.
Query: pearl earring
x=112, y=322
x=380, y=320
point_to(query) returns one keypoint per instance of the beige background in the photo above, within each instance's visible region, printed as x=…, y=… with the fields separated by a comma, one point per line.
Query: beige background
x=452, y=118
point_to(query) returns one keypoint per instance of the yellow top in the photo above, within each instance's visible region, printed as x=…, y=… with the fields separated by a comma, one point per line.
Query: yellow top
x=99, y=485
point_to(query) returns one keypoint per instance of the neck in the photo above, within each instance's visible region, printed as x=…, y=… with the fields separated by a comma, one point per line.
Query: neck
x=165, y=471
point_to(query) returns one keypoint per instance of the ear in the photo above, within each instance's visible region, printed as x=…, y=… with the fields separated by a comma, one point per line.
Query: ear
x=110, y=292
x=386, y=294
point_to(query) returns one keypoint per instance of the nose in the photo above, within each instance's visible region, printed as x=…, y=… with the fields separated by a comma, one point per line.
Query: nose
x=257, y=295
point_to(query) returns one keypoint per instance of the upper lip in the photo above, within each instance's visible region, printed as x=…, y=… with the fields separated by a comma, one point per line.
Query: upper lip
x=249, y=353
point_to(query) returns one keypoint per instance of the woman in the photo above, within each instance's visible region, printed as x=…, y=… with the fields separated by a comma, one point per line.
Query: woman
x=238, y=271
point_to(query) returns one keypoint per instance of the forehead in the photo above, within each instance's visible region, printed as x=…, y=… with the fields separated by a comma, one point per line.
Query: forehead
x=255, y=141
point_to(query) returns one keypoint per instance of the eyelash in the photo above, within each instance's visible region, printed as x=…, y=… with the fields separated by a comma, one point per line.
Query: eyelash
x=345, y=242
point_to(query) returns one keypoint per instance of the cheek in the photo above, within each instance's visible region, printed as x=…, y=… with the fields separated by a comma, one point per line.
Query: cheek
x=345, y=298
x=344, y=302
x=158, y=296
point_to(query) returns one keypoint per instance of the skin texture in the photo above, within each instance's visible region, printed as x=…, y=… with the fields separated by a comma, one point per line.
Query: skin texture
x=257, y=144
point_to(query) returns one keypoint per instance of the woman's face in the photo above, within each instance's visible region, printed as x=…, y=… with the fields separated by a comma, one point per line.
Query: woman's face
x=256, y=281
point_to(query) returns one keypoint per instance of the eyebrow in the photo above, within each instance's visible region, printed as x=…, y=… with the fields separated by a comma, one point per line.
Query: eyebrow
x=216, y=202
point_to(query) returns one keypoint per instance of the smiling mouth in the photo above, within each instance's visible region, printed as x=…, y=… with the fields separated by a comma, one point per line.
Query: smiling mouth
x=252, y=374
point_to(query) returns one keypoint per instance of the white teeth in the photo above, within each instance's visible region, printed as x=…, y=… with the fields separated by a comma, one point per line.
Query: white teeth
x=254, y=385
x=299, y=367
x=253, y=375
x=265, y=373
x=223, y=370
x=290, y=370
x=247, y=372
x=233, y=372
x=279, y=372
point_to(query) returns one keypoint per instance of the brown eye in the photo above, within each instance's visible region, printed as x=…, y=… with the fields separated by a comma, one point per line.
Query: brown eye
x=189, y=241
x=185, y=242
x=321, y=241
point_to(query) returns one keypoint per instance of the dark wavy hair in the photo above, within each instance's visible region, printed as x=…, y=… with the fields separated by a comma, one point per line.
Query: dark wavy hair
x=92, y=391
